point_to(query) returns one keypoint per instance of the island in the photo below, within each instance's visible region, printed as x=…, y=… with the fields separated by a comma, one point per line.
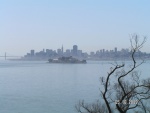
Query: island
x=69, y=60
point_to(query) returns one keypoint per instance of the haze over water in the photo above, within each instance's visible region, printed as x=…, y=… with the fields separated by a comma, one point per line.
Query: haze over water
x=40, y=87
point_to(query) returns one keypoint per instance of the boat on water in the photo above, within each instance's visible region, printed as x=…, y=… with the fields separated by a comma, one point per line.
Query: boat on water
x=69, y=60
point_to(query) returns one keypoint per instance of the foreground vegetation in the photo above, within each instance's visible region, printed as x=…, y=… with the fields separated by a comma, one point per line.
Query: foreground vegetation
x=128, y=93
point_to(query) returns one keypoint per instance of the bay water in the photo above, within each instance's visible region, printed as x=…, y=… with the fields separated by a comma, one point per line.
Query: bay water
x=41, y=87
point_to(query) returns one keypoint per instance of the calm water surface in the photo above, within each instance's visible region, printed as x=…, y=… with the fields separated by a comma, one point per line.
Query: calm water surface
x=40, y=87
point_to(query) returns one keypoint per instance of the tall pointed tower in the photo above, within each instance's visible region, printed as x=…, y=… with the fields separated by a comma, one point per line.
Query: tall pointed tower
x=62, y=49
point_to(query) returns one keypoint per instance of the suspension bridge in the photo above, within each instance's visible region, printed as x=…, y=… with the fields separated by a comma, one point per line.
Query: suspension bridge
x=5, y=56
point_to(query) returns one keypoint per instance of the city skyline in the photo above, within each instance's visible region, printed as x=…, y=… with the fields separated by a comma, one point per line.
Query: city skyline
x=92, y=25
x=61, y=49
x=77, y=52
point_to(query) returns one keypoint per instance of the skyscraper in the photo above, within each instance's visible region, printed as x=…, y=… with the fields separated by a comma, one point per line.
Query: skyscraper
x=32, y=53
x=75, y=50
x=115, y=49
x=59, y=52
x=62, y=49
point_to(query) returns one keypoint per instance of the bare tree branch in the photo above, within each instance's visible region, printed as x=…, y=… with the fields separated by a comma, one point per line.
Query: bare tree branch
x=120, y=95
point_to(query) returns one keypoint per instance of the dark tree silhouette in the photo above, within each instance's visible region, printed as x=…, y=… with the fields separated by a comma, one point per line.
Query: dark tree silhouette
x=122, y=89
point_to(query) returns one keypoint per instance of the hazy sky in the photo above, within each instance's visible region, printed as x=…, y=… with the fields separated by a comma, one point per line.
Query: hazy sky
x=90, y=24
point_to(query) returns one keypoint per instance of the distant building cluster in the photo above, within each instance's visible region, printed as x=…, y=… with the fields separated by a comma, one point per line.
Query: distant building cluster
x=115, y=54
x=49, y=53
x=101, y=54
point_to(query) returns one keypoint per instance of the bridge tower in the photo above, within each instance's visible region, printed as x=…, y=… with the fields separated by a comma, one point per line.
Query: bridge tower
x=5, y=55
